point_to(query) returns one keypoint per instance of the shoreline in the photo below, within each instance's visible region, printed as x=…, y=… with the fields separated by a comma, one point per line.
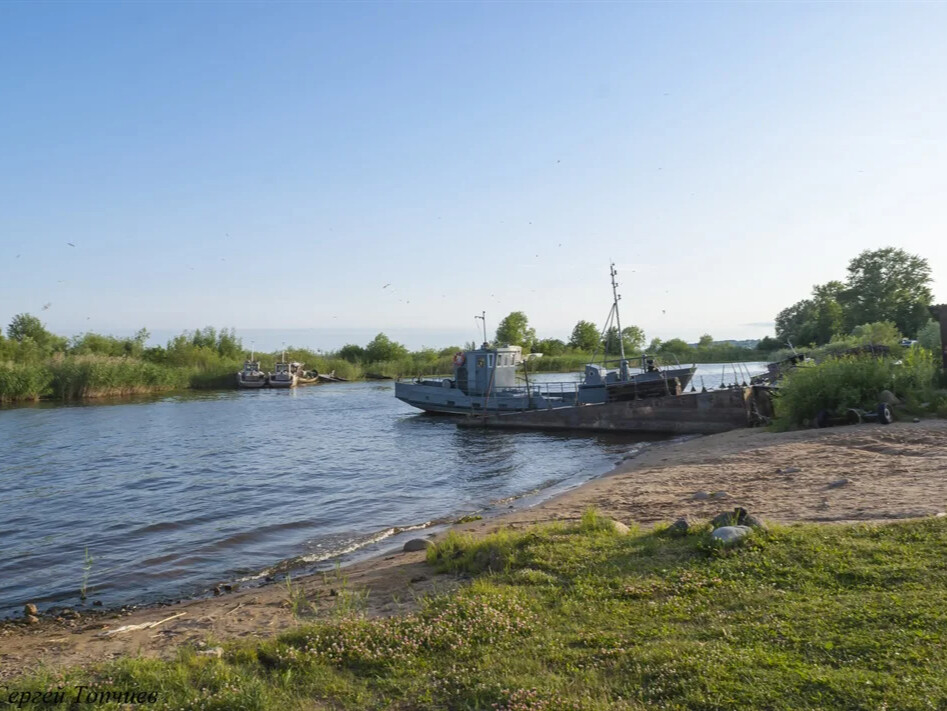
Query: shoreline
x=890, y=473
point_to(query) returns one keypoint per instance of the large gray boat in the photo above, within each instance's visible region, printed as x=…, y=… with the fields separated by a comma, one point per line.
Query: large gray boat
x=485, y=380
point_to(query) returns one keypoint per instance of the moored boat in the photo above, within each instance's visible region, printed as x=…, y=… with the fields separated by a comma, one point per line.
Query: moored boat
x=251, y=376
x=283, y=376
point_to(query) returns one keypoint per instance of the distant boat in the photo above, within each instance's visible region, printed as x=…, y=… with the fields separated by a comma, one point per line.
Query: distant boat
x=251, y=376
x=283, y=375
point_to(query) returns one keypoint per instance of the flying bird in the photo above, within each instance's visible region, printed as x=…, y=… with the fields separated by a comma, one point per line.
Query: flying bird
x=46, y=306
x=70, y=244
x=386, y=285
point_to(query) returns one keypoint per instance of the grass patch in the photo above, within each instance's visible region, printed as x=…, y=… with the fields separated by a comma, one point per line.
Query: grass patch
x=581, y=617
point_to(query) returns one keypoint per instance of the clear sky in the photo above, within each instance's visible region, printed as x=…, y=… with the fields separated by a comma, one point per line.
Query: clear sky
x=273, y=166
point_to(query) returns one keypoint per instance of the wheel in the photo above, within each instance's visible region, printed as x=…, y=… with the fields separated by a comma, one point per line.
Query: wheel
x=884, y=414
x=823, y=419
x=854, y=418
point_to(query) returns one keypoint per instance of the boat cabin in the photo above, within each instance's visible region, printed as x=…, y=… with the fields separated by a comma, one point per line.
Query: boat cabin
x=487, y=369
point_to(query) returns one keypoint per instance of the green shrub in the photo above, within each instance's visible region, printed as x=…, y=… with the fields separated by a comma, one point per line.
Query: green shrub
x=852, y=382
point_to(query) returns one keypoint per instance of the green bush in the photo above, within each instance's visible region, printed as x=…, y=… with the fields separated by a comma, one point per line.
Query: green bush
x=24, y=381
x=853, y=382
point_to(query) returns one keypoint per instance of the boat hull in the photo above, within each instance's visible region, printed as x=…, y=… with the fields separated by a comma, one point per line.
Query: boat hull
x=453, y=401
x=273, y=383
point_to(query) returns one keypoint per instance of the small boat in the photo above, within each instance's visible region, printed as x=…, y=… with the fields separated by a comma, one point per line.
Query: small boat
x=251, y=376
x=283, y=375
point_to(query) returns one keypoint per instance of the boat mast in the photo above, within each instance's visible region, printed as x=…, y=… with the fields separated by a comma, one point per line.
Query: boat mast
x=617, y=298
x=483, y=317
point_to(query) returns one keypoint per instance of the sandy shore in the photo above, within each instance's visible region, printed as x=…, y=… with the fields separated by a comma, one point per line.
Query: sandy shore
x=893, y=472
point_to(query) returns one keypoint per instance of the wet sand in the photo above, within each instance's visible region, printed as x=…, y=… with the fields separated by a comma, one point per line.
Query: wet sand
x=865, y=473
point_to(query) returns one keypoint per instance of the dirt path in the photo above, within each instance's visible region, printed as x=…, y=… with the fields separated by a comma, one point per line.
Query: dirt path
x=893, y=472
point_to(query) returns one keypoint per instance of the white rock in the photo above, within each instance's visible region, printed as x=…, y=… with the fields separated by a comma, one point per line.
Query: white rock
x=730, y=534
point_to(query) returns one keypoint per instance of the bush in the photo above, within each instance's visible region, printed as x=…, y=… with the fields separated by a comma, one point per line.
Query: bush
x=852, y=382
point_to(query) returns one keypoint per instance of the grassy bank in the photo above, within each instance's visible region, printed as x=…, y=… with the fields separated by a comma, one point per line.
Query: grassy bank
x=583, y=617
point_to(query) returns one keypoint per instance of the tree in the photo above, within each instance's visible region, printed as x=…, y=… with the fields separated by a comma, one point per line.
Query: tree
x=514, y=330
x=549, y=347
x=705, y=341
x=677, y=347
x=880, y=333
x=352, y=353
x=632, y=338
x=813, y=320
x=929, y=336
x=26, y=328
x=655, y=345
x=888, y=285
x=585, y=336
x=383, y=348
x=768, y=344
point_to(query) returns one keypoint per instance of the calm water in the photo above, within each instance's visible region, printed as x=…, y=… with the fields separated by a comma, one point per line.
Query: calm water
x=173, y=495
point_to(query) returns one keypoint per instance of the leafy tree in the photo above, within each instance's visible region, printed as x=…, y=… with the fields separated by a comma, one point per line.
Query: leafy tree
x=655, y=345
x=449, y=351
x=677, y=347
x=880, y=333
x=705, y=341
x=632, y=336
x=585, y=336
x=25, y=328
x=888, y=285
x=813, y=320
x=383, y=348
x=929, y=336
x=514, y=330
x=550, y=346
x=352, y=353
x=769, y=344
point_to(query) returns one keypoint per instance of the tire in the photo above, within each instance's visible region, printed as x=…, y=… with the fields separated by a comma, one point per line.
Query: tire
x=884, y=414
x=823, y=419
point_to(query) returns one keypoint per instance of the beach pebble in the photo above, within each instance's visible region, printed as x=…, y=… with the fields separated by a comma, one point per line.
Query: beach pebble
x=217, y=652
x=917, y=419
x=839, y=482
x=720, y=495
x=730, y=534
x=942, y=514
x=416, y=544
x=700, y=496
x=30, y=609
x=32, y=620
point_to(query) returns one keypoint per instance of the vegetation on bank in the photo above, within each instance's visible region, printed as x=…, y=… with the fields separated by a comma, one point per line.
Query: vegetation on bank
x=837, y=384
x=582, y=617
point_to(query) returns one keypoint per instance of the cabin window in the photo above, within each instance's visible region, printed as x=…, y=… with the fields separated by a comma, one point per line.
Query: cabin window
x=490, y=360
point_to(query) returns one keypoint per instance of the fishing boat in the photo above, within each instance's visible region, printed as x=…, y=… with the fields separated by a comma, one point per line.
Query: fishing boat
x=283, y=375
x=485, y=380
x=251, y=376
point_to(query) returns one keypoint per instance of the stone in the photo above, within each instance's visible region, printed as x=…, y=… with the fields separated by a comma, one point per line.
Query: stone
x=839, y=483
x=217, y=652
x=30, y=609
x=97, y=603
x=416, y=544
x=32, y=620
x=753, y=522
x=720, y=495
x=730, y=534
x=681, y=527
x=418, y=578
x=700, y=496
x=888, y=398
x=942, y=514
x=916, y=420
x=620, y=528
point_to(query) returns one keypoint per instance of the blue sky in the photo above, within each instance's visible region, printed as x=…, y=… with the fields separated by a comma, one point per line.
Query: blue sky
x=273, y=166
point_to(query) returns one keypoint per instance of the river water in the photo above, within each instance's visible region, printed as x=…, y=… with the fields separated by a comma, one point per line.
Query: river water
x=169, y=496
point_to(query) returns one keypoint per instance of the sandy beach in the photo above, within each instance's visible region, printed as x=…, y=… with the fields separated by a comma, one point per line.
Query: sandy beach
x=867, y=473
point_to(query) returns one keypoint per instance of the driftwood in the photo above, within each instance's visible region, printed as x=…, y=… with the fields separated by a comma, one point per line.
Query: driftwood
x=142, y=626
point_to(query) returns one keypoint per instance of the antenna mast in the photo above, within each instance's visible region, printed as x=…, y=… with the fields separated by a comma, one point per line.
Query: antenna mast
x=483, y=317
x=617, y=298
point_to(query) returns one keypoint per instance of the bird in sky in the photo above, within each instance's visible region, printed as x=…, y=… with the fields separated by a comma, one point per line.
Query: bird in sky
x=70, y=244
x=386, y=285
x=46, y=306
x=18, y=256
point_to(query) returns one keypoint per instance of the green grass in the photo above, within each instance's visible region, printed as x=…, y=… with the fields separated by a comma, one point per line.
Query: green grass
x=581, y=617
